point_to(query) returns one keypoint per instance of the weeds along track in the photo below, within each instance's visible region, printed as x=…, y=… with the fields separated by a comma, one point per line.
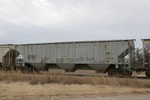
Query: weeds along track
x=94, y=74
x=50, y=78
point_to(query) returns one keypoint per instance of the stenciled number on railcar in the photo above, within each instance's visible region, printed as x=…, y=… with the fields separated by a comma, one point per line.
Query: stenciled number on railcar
x=31, y=57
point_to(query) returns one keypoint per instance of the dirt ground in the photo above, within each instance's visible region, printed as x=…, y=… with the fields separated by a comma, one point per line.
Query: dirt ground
x=123, y=97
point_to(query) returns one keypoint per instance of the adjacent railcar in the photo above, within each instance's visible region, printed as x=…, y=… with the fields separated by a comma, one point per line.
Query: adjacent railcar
x=146, y=56
x=8, y=56
x=102, y=56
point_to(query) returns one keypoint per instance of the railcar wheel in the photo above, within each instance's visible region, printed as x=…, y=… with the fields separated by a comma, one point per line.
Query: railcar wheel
x=110, y=72
x=113, y=73
x=126, y=73
x=130, y=73
x=138, y=72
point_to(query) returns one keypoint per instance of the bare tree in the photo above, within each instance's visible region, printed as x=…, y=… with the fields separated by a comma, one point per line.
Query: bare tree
x=138, y=57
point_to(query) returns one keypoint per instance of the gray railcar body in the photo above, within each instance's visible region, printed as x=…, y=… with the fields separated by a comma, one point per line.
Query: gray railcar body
x=96, y=55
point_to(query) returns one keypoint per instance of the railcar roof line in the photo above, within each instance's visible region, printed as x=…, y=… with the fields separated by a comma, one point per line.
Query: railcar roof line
x=92, y=41
x=145, y=39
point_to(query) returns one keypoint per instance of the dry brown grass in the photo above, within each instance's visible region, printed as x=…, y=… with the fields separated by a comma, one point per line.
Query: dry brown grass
x=49, y=78
x=16, y=86
x=23, y=90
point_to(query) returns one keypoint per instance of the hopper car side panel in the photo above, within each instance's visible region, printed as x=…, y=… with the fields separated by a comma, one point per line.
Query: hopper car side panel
x=96, y=53
x=93, y=54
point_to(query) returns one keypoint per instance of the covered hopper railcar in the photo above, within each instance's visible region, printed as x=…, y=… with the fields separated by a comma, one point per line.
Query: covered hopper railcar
x=146, y=56
x=8, y=56
x=101, y=56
